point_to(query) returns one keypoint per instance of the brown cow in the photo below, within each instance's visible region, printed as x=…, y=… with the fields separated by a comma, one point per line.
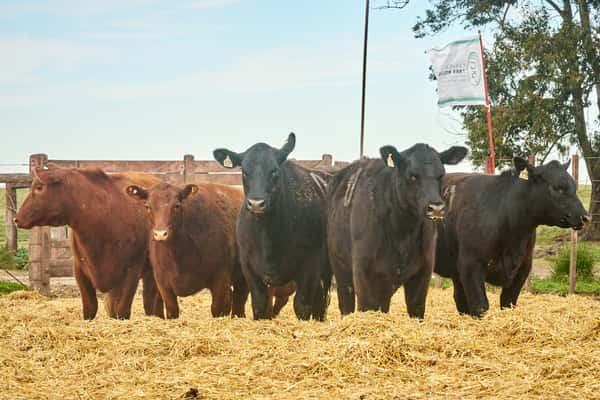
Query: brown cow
x=110, y=234
x=193, y=245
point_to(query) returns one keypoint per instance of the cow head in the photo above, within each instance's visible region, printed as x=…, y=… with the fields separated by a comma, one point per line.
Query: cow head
x=261, y=172
x=558, y=203
x=164, y=207
x=49, y=200
x=419, y=172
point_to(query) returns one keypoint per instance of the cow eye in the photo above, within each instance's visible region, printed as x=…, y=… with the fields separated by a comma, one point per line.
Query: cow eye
x=176, y=206
x=413, y=178
x=274, y=174
x=39, y=188
x=559, y=189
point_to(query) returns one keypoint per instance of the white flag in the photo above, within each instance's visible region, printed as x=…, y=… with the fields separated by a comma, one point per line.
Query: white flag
x=459, y=72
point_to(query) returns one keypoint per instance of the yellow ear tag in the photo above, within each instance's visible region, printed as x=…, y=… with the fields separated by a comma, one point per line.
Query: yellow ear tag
x=194, y=189
x=390, y=162
x=227, y=162
x=524, y=175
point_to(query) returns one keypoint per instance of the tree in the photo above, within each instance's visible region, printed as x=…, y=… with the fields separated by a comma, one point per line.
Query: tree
x=543, y=67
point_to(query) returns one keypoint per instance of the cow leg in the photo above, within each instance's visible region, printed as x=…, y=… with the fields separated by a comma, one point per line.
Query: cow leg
x=386, y=291
x=366, y=292
x=121, y=298
x=239, y=296
x=221, y=298
x=473, y=281
x=345, y=292
x=459, y=296
x=269, y=311
x=304, y=299
x=258, y=295
x=280, y=302
x=321, y=300
x=170, y=299
x=510, y=294
x=153, y=303
x=87, y=292
x=415, y=293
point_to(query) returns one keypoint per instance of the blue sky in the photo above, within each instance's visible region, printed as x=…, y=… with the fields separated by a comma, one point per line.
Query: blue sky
x=152, y=79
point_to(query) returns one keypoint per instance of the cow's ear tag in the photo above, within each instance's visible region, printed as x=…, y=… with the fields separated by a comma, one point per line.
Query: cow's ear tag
x=227, y=162
x=194, y=189
x=390, y=162
x=524, y=175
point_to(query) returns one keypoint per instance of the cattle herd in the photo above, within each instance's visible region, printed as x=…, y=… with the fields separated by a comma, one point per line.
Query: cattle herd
x=374, y=225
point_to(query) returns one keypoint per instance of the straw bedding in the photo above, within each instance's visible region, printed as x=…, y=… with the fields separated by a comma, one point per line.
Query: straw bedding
x=548, y=347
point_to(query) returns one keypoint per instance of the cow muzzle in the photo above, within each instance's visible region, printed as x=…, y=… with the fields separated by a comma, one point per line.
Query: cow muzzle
x=160, y=235
x=585, y=219
x=255, y=206
x=435, y=211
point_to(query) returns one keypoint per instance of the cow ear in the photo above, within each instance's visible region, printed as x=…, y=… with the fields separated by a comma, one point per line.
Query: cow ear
x=287, y=148
x=228, y=158
x=137, y=192
x=520, y=164
x=391, y=157
x=187, y=191
x=453, y=155
x=47, y=176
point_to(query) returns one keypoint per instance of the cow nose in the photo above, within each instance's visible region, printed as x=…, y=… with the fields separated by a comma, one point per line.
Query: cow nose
x=435, y=210
x=160, y=235
x=585, y=219
x=256, y=206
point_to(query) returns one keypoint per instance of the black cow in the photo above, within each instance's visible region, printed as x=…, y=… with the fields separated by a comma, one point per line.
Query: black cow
x=381, y=230
x=489, y=231
x=281, y=227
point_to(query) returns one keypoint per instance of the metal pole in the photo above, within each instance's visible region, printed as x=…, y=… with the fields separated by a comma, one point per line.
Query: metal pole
x=364, y=81
x=488, y=107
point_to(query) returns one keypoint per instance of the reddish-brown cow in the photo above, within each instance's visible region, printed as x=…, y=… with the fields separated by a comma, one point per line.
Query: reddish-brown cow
x=109, y=234
x=193, y=245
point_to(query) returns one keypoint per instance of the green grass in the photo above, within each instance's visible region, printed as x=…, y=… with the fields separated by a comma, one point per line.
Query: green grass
x=446, y=283
x=587, y=255
x=9, y=287
x=22, y=234
x=560, y=286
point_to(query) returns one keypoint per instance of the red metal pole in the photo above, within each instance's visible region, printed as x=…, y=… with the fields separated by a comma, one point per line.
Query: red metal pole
x=487, y=107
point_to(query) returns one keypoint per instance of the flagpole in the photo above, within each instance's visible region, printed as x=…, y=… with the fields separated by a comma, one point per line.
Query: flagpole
x=364, y=81
x=488, y=110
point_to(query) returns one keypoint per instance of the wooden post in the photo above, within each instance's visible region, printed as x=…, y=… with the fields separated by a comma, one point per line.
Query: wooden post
x=39, y=260
x=188, y=163
x=528, y=285
x=573, y=258
x=39, y=243
x=11, y=210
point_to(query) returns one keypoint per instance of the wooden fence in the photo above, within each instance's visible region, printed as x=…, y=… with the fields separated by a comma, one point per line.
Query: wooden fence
x=49, y=251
